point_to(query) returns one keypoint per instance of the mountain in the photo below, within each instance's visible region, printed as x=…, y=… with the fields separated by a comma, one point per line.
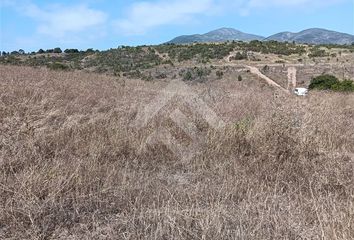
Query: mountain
x=311, y=36
x=314, y=36
x=219, y=35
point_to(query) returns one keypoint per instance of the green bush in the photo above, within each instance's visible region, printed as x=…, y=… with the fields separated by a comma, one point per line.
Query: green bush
x=57, y=50
x=71, y=50
x=10, y=59
x=219, y=74
x=323, y=82
x=344, y=86
x=317, y=52
x=329, y=82
x=187, y=76
x=196, y=73
x=239, y=56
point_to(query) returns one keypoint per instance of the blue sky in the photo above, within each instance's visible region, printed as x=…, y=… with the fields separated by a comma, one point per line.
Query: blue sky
x=103, y=24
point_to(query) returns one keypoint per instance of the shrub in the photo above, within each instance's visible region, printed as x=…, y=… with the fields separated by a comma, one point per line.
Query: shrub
x=72, y=50
x=187, y=76
x=329, y=82
x=161, y=76
x=11, y=59
x=239, y=78
x=265, y=68
x=343, y=86
x=90, y=50
x=323, y=82
x=219, y=74
x=239, y=56
x=57, y=66
x=147, y=78
x=57, y=50
x=196, y=73
x=316, y=52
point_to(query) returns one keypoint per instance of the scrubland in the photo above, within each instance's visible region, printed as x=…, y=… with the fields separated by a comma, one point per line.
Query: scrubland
x=72, y=166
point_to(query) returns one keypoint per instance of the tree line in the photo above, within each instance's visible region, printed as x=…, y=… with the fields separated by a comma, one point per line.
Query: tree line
x=51, y=50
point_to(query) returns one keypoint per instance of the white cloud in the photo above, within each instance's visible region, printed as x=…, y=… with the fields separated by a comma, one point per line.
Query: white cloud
x=57, y=20
x=296, y=5
x=291, y=3
x=142, y=16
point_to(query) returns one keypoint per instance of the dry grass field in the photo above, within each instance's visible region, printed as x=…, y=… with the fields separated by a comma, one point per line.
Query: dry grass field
x=71, y=164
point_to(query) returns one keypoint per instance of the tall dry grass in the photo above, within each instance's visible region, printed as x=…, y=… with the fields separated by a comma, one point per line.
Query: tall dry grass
x=71, y=166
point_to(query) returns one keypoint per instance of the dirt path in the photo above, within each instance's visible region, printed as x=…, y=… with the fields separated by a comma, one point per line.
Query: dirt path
x=256, y=71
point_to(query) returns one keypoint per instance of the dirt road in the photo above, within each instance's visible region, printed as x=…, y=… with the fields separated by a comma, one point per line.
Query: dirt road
x=256, y=71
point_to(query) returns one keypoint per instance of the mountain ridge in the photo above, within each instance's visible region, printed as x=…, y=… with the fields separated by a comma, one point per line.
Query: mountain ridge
x=314, y=36
x=310, y=36
x=218, y=35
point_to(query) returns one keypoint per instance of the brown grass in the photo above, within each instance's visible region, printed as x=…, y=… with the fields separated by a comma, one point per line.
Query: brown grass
x=71, y=166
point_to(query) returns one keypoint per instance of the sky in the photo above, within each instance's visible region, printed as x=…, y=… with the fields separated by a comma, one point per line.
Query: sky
x=104, y=24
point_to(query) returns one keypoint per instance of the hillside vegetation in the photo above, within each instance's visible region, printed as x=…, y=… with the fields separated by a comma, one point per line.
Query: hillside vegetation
x=329, y=82
x=131, y=61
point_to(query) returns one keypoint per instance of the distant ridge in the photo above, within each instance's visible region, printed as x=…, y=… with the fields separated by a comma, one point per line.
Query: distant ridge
x=219, y=35
x=310, y=36
x=314, y=36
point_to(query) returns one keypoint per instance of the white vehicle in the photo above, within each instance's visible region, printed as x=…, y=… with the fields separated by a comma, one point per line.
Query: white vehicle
x=301, y=91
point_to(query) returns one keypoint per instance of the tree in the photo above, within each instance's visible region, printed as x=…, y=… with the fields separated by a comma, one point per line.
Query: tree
x=40, y=51
x=57, y=50
x=90, y=50
x=72, y=50
x=21, y=51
